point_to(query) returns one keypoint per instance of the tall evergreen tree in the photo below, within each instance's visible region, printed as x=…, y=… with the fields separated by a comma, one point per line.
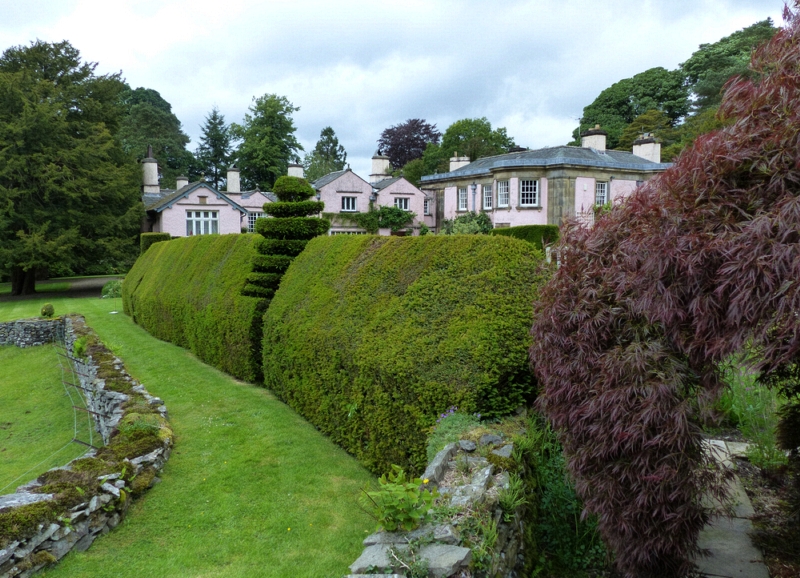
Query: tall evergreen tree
x=267, y=138
x=69, y=195
x=328, y=156
x=214, y=153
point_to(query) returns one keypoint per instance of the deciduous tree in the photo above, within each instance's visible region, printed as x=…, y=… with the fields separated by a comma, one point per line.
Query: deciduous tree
x=407, y=141
x=268, y=143
x=69, y=195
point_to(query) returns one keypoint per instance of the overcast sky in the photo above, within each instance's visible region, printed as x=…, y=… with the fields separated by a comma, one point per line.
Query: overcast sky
x=362, y=66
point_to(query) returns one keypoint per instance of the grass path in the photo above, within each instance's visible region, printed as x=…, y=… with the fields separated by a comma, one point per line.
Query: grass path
x=251, y=489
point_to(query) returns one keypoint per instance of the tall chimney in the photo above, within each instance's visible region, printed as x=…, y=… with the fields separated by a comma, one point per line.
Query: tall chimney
x=380, y=168
x=594, y=138
x=296, y=170
x=456, y=162
x=181, y=182
x=647, y=148
x=150, y=173
x=234, y=183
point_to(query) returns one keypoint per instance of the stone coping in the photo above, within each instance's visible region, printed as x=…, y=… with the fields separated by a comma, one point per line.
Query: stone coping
x=76, y=527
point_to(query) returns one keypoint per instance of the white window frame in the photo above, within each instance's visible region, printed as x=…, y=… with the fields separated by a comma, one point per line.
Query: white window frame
x=251, y=220
x=349, y=204
x=529, y=193
x=503, y=195
x=426, y=207
x=202, y=223
x=600, y=193
x=462, y=199
x=401, y=203
x=487, y=197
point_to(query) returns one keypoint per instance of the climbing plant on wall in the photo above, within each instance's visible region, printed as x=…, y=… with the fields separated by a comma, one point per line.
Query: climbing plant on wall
x=285, y=234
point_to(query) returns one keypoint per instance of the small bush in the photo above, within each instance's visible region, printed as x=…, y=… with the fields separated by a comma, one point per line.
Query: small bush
x=537, y=235
x=291, y=190
x=400, y=504
x=112, y=289
x=147, y=239
x=47, y=310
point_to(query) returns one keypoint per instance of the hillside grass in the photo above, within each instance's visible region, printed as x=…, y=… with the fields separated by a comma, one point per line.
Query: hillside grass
x=251, y=488
x=36, y=416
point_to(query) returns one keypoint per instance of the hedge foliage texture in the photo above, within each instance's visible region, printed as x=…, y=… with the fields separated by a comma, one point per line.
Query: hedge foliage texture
x=372, y=338
x=700, y=263
x=147, y=239
x=187, y=292
x=537, y=235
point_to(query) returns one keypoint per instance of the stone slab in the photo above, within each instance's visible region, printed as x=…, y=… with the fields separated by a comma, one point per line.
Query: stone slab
x=445, y=560
x=376, y=556
x=737, y=449
x=732, y=554
x=22, y=499
x=436, y=469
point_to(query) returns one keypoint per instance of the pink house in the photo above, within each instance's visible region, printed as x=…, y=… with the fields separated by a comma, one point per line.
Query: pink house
x=544, y=186
x=345, y=193
x=198, y=208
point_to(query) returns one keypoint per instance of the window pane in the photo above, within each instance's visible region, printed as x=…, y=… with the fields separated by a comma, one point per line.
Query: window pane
x=600, y=193
x=502, y=193
x=487, y=196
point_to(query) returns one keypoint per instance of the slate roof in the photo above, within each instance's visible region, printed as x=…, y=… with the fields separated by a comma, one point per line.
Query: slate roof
x=166, y=198
x=550, y=157
x=329, y=178
x=247, y=194
x=380, y=185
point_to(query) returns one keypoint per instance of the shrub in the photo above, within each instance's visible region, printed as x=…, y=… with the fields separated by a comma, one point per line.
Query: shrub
x=112, y=289
x=187, y=291
x=285, y=235
x=469, y=224
x=696, y=264
x=372, y=338
x=147, y=239
x=400, y=503
x=47, y=310
x=538, y=235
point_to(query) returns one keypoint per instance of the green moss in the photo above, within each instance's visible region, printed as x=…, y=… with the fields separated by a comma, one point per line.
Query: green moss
x=42, y=558
x=187, y=292
x=372, y=338
x=143, y=481
x=95, y=466
x=23, y=522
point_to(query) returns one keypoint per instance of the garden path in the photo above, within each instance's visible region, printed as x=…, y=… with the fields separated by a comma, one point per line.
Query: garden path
x=732, y=553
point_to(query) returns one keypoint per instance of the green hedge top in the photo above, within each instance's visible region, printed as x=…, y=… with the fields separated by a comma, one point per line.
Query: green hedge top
x=537, y=235
x=187, y=292
x=147, y=239
x=295, y=209
x=292, y=189
x=372, y=338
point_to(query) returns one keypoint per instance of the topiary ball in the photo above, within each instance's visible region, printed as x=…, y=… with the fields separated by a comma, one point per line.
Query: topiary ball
x=47, y=310
x=292, y=189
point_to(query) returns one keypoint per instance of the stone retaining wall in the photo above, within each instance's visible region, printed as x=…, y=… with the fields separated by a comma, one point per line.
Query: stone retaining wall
x=441, y=545
x=30, y=332
x=78, y=527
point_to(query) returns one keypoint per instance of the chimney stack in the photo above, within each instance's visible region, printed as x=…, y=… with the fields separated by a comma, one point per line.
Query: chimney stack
x=150, y=173
x=380, y=168
x=594, y=138
x=233, y=183
x=296, y=170
x=181, y=182
x=456, y=162
x=646, y=147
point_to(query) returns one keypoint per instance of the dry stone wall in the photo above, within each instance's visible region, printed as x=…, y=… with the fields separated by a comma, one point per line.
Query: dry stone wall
x=77, y=527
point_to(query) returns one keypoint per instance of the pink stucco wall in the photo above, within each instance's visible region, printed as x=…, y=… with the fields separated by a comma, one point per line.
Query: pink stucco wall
x=403, y=188
x=510, y=216
x=347, y=185
x=621, y=188
x=173, y=219
x=584, y=194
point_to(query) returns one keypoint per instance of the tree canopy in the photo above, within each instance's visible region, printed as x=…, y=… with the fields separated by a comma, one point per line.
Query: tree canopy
x=214, y=153
x=407, y=141
x=69, y=195
x=268, y=143
x=148, y=120
x=328, y=156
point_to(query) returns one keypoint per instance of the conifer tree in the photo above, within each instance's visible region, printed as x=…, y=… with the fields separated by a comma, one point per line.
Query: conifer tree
x=214, y=153
x=328, y=156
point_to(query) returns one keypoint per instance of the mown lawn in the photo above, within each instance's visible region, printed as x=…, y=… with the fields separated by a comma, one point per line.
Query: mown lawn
x=250, y=490
x=36, y=417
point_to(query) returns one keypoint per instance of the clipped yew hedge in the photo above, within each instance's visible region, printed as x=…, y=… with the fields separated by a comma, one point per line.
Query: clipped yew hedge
x=372, y=338
x=537, y=235
x=187, y=292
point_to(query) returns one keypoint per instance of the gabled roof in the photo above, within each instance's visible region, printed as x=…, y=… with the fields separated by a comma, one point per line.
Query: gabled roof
x=553, y=156
x=165, y=201
x=380, y=185
x=329, y=178
x=247, y=194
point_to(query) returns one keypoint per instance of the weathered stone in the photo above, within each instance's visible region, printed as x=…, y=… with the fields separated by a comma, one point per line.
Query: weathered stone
x=505, y=451
x=148, y=458
x=732, y=551
x=22, y=499
x=110, y=489
x=376, y=556
x=503, y=481
x=446, y=534
x=436, y=468
x=445, y=560
x=467, y=445
x=737, y=449
x=475, y=491
x=120, y=484
x=83, y=544
x=8, y=551
x=113, y=521
x=492, y=439
x=109, y=477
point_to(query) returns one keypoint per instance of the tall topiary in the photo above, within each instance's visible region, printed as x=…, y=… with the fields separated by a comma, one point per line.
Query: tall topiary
x=285, y=234
x=698, y=264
